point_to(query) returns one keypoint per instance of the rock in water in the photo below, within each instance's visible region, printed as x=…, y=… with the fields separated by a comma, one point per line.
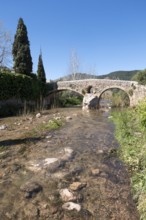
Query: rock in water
x=38, y=115
x=3, y=127
x=77, y=186
x=71, y=206
x=66, y=195
x=31, y=188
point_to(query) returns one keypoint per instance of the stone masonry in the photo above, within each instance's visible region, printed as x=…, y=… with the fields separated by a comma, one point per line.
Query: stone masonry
x=95, y=87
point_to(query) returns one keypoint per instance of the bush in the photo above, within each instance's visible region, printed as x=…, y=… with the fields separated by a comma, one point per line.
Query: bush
x=130, y=132
x=140, y=77
x=70, y=101
x=18, y=86
x=141, y=110
x=28, y=90
x=66, y=99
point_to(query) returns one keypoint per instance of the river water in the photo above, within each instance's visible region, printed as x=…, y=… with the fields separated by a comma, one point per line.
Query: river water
x=105, y=194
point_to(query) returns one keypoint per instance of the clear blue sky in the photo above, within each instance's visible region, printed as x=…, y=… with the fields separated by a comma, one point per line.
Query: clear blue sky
x=107, y=35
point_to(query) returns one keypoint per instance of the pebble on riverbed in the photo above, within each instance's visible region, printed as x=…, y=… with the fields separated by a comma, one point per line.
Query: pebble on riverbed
x=95, y=172
x=77, y=186
x=67, y=195
x=30, y=188
x=71, y=206
x=51, y=164
x=3, y=127
x=38, y=115
x=48, y=136
x=68, y=118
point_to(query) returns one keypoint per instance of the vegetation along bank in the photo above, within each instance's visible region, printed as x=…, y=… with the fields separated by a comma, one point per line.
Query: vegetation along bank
x=131, y=134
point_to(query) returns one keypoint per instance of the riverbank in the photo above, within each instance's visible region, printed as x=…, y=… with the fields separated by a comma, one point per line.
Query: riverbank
x=130, y=132
x=61, y=165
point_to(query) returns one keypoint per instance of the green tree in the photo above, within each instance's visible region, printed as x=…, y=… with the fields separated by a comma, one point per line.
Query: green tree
x=21, y=50
x=41, y=71
x=140, y=77
x=42, y=78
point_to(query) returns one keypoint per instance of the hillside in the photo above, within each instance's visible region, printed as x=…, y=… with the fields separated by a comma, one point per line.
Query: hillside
x=77, y=76
x=121, y=75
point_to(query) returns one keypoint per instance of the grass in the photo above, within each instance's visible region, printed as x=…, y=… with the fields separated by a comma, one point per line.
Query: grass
x=51, y=125
x=4, y=148
x=131, y=135
x=40, y=129
x=4, y=152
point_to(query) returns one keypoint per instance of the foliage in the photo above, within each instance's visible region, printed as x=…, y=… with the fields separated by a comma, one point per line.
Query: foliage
x=140, y=77
x=18, y=86
x=117, y=97
x=117, y=75
x=42, y=79
x=132, y=139
x=50, y=86
x=54, y=124
x=41, y=71
x=65, y=99
x=70, y=101
x=4, y=69
x=141, y=110
x=21, y=50
x=51, y=125
x=69, y=98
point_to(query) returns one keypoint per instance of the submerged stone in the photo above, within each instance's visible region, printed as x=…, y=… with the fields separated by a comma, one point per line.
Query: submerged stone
x=31, y=188
x=95, y=172
x=72, y=206
x=67, y=195
x=77, y=186
x=3, y=127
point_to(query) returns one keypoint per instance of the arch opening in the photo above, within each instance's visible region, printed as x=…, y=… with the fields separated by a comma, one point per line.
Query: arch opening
x=64, y=98
x=113, y=98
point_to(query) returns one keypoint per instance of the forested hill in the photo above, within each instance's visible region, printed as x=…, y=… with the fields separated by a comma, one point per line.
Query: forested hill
x=121, y=75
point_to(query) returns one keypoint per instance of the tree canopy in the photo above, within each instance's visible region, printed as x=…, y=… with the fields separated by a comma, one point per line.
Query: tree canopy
x=21, y=50
x=41, y=71
x=140, y=77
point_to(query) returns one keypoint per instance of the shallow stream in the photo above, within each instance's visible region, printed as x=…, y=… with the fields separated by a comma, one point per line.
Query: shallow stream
x=83, y=151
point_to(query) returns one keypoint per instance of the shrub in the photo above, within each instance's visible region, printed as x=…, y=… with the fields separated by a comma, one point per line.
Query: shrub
x=141, y=109
x=140, y=77
x=18, y=86
x=130, y=132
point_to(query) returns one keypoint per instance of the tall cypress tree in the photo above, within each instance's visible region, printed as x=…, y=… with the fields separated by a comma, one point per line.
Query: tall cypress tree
x=21, y=50
x=41, y=71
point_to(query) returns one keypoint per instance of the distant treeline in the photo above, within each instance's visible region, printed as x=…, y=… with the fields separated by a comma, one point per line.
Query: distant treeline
x=119, y=75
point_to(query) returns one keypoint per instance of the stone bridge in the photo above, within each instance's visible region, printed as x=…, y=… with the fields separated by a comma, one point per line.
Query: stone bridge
x=92, y=89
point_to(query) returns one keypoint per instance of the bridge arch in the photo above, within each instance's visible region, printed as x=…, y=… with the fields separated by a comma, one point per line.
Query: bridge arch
x=111, y=88
x=55, y=99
